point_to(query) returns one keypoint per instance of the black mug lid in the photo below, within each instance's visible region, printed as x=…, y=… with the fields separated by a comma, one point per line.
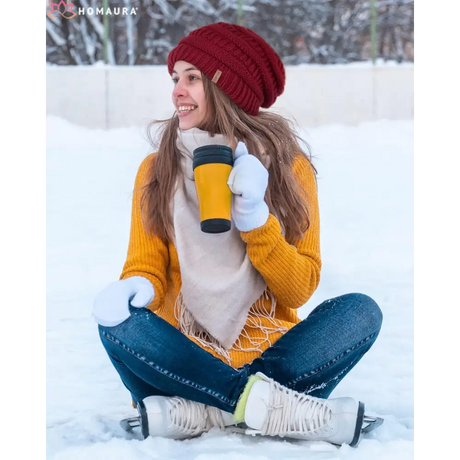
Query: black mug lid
x=212, y=154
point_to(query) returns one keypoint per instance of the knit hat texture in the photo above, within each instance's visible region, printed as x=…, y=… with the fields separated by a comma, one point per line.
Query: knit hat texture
x=239, y=61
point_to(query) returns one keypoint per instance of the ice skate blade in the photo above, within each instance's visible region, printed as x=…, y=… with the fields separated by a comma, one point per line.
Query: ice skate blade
x=372, y=423
x=129, y=423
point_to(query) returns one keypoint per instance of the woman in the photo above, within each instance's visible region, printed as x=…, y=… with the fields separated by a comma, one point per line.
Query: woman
x=203, y=328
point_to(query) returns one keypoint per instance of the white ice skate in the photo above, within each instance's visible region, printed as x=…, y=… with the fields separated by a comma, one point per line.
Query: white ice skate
x=274, y=410
x=176, y=418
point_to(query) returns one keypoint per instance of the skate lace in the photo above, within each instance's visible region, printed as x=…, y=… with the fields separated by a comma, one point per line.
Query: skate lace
x=215, y=417
x=290, y=412
x=193, y=418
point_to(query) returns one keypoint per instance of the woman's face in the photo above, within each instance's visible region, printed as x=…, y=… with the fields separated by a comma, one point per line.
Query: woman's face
x=188, y=95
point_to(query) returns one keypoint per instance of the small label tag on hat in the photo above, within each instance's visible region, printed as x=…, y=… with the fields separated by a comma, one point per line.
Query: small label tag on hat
x=217, y=76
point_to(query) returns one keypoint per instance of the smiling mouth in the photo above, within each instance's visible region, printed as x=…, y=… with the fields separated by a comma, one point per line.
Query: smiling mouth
x=186, y=109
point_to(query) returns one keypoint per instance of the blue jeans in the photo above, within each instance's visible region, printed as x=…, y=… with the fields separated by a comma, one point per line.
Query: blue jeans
x=154, y=358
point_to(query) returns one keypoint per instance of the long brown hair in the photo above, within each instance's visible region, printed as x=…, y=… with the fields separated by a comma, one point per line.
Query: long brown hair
x=267, y=133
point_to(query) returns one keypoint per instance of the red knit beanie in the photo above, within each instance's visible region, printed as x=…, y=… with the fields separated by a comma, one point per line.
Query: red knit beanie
x=239, y=61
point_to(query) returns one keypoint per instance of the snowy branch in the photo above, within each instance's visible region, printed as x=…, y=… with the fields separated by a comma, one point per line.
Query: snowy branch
x=54, y=34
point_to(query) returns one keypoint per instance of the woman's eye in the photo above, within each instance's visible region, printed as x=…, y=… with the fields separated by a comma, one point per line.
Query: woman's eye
x=194, y=77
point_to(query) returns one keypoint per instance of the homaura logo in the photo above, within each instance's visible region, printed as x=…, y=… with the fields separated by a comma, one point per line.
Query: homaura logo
x=66, y=10
x=63, y=9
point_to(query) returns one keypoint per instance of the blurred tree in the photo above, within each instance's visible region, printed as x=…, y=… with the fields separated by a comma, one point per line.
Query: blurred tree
x=301, y=31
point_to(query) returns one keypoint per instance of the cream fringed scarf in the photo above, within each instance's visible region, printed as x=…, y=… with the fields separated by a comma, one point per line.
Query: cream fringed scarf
x=219, y=282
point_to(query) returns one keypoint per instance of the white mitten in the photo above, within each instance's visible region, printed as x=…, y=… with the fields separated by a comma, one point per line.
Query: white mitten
x=111, y=306
x=248, y=180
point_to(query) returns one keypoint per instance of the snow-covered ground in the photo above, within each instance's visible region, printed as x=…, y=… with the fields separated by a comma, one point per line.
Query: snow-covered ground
x=366, y=202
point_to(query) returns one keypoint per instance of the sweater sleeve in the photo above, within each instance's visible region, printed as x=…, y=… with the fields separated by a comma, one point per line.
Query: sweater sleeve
x=292, y=272
x=148, y=255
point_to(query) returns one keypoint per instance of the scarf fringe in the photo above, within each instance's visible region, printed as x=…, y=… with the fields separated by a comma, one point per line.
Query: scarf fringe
x=190, y=327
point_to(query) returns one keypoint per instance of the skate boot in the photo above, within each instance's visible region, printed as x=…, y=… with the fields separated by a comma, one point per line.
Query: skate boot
x=176, y=418
x=271, y=409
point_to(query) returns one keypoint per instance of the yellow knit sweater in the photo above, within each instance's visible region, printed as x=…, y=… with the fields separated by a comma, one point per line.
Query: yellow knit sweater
x=291, y=272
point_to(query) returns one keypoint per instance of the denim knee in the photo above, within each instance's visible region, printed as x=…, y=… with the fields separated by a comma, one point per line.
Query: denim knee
x=367, y=311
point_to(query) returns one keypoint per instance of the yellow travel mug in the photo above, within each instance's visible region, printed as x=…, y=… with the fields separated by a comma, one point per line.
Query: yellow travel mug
x=212, y=165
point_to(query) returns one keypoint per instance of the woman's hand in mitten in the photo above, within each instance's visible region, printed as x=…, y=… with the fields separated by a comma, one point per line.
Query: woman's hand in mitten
x=111, y=306
x=248, y=181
